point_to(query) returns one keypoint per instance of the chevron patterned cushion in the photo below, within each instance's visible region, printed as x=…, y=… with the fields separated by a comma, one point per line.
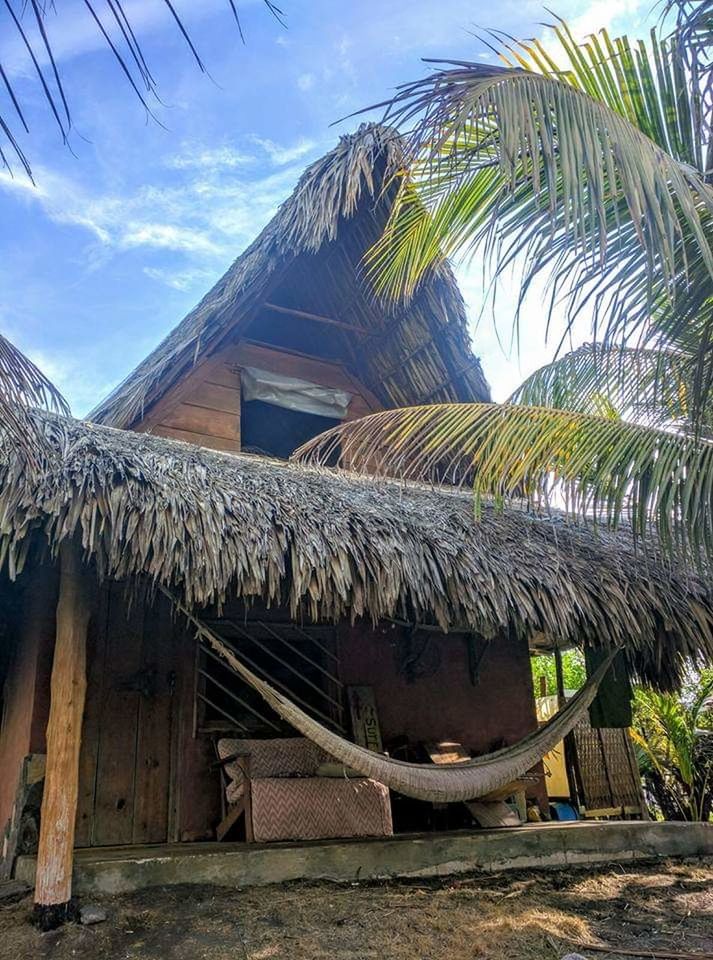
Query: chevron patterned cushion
x=281, y=757
x=290, y=803
x=317, y=808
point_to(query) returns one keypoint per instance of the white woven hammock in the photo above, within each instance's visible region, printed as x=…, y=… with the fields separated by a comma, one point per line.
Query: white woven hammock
x=441, y=783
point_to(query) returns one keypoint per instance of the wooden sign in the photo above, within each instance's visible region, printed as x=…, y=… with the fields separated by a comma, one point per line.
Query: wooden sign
x=365, y=720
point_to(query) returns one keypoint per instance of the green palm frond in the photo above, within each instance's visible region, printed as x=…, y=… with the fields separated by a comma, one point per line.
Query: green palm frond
x=24, y=387
x=693, y=31
x=602, y=469
x=648, y=386
x=575, y=154
x=648, y=86
x=592, y=171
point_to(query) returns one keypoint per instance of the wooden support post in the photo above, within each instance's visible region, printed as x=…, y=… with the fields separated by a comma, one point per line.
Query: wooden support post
x=570, y=745
x=53, y=886
x=317, y=317
x=559, y=675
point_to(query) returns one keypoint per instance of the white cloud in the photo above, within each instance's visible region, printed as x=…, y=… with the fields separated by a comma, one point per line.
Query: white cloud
x=181, y=280
x=167, y=236
x=208, y=214
x=194, y=158
x=305, y=81
x=605, y=14
x=280, y=155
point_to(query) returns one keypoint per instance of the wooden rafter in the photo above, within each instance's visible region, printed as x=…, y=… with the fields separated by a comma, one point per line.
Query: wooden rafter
x=318, y=318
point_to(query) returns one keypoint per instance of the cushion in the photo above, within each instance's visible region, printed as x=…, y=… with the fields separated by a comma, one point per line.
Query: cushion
x=281, y=757
x=317, y=808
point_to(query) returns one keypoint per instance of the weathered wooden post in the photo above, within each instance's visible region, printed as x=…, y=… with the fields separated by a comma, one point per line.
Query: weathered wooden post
x=53, y=885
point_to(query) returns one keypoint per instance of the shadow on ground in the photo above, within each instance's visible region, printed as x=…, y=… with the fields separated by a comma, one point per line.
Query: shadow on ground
x=528, y=915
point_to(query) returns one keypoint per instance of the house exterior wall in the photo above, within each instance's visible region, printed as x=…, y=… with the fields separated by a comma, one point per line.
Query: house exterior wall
x=168, y=788
x=144, y=777
x=443, y=704
x=493, y=709
x=204, y=407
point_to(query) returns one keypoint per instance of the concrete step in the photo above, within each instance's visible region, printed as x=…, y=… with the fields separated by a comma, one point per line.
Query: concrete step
x=124, y=869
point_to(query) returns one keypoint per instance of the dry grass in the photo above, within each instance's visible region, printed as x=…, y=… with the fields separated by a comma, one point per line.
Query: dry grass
x=528, y=916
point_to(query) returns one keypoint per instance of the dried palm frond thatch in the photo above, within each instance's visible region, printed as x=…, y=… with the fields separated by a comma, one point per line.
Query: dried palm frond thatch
x=415, y=354
x=328, y=545
x=23, y=386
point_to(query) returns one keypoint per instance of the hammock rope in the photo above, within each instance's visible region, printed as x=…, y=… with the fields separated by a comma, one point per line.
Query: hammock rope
x=437, y=783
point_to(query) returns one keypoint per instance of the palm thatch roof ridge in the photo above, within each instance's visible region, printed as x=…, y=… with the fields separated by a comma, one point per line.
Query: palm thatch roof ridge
x=330, y=545
x=346, y=181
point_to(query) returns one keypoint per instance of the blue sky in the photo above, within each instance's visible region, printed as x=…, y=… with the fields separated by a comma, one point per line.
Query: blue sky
x=122, y=236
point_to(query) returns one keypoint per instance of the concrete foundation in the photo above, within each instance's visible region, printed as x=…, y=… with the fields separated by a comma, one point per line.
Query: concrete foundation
x=124, y=869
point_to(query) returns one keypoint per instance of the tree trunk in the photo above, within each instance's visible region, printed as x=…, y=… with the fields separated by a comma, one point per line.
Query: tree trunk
x=53, y=887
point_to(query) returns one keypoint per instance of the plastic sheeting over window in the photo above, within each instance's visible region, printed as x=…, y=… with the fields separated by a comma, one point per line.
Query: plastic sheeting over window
x=293, y=393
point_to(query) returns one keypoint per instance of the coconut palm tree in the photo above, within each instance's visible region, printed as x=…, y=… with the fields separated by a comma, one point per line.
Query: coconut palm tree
x=595, y=170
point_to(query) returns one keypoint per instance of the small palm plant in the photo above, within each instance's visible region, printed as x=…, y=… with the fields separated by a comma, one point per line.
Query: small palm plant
x=674, y=740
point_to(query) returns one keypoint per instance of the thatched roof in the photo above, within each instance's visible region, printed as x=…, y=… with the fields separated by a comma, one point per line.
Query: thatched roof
x=309, y=257
x=331, y=545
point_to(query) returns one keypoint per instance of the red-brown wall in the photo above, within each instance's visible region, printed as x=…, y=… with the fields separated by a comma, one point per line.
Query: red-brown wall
x=497, y=710
x=445, y=705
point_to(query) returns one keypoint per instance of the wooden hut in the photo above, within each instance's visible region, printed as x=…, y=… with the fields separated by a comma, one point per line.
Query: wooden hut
x=324, y=582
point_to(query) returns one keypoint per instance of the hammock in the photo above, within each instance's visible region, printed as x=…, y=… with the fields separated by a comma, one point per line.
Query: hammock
x=442, y=783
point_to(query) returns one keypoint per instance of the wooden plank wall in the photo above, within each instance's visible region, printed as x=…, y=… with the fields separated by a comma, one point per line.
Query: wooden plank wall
x=204, y=408
x=127, y=763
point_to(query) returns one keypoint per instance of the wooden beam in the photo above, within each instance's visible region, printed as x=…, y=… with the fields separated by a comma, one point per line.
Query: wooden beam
x=53, y=885
x=559, y=678
x=318, y=318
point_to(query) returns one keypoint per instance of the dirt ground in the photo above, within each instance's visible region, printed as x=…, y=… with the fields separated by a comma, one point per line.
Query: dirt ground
x=515, y=916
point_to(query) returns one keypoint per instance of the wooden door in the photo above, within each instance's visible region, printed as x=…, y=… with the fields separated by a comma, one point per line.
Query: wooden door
x=127, y=742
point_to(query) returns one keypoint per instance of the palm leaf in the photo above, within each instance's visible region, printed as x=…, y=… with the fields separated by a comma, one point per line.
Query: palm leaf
x=112, y=21
x=24, y=387
x=596, y=468
x=648, y=386
x=648, y=86
x=590, y=171
x=568, y=147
